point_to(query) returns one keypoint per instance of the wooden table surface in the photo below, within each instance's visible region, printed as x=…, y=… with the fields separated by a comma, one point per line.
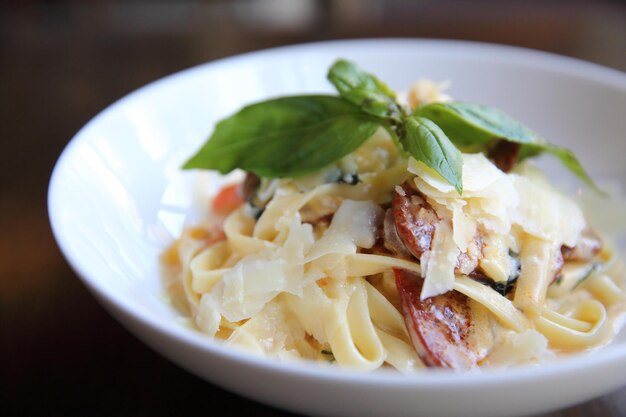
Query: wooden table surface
x=62, y=62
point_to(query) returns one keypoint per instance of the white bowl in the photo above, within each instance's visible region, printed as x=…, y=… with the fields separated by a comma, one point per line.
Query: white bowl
x=117, y=198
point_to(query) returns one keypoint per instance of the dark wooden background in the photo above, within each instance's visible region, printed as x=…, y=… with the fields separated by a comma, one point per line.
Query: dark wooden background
x=61, y=62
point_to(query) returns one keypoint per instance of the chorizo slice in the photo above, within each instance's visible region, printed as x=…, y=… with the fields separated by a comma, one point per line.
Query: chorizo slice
x=505, y=154
x=410, y=225
x=415, y=220
x=448, y=330
x=586, y=248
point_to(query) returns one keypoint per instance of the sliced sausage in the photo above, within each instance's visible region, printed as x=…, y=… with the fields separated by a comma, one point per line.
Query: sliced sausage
x=586, y=248
x=415, y=220
x=441, y=327
x=250, y=185
x=505, y=154
x=409, y=229
x=391, y=240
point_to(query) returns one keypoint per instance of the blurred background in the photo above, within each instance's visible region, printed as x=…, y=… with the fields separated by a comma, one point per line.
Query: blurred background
x=63, y=61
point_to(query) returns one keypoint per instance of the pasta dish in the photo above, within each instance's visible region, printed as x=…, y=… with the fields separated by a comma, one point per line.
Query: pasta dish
x=425, y=244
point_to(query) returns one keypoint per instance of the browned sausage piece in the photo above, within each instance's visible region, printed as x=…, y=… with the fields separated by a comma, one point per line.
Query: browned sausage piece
x=586, y=248
x=410, y=225
x=440, y=327
x=250, y=184
x=415, y=220
x=505, y=154
x=391, y=240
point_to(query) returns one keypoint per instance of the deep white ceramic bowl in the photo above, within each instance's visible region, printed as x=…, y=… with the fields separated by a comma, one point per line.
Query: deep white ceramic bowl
x=117, y=198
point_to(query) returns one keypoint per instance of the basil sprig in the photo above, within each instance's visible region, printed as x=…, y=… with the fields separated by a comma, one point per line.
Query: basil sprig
x=297, y=135
x=474, y=127
x=285, y=137
x=418, y=136
x=364, y=90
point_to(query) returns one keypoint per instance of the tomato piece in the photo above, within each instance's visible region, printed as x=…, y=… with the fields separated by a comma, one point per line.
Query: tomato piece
x=227, y=200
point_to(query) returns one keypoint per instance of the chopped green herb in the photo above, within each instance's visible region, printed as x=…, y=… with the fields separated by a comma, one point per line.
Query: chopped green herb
x=592, y=270
x=502, y=288
x=331, y=357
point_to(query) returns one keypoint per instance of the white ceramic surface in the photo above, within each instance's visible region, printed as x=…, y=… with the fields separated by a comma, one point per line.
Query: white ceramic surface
x=117, y=198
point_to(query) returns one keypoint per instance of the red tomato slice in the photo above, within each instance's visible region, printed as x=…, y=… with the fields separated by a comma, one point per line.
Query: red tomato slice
x=227, y=200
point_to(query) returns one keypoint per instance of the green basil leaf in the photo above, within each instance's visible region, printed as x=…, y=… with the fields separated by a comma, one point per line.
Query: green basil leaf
x=472, y=126
x=569, y=160
x=364, y=90
x=285, y=137
x=426, y=142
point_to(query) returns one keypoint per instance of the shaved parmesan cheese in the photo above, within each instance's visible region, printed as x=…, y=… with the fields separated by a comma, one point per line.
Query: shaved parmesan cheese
x=359, y=220
x=258, y=278
x=529, y=346
x=495, y=208
x=208, y=319
x=478, y=174
x=463, y=227
x=355, y=224
x=546, y=213
x=438, y=264
x=271, y=332
x=488, y=195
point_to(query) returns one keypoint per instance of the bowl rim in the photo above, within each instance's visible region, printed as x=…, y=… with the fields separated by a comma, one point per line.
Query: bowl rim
x=427, y=378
